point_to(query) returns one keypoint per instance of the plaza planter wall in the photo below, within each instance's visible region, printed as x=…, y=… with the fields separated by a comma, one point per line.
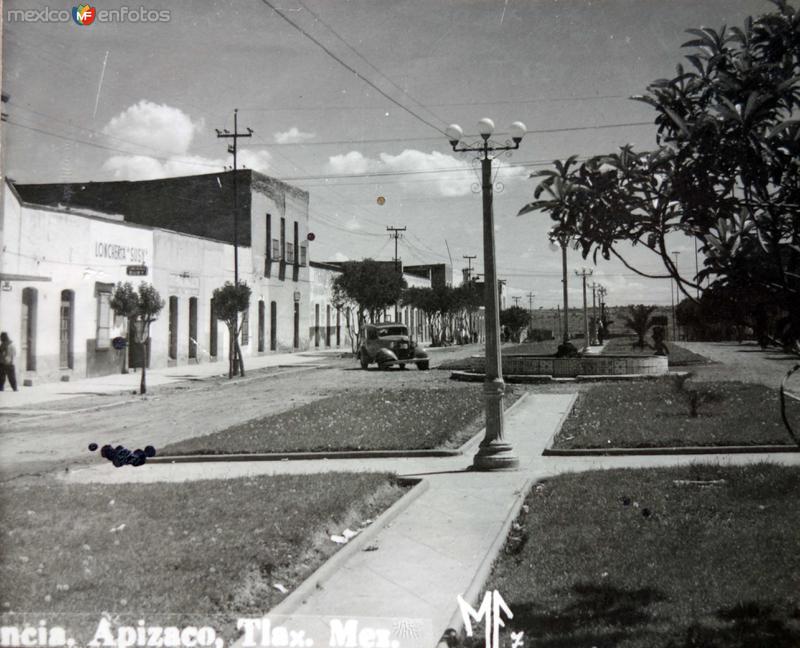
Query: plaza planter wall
x=606, y=365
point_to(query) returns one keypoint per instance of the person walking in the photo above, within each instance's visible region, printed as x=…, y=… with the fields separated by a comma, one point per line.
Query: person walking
x=7, y=353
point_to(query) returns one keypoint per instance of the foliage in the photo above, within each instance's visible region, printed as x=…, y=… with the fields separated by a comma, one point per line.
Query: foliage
x=725, y=171
x=368, y=284
x=639, y=321
x=229, y=301
x=516, y=319
x=143, y=307
x=448, y=309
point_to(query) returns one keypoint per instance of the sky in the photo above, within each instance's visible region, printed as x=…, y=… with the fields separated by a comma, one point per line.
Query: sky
x=349, y=101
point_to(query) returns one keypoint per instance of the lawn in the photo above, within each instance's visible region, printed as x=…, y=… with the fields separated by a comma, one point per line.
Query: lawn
x=207, y=551
x=653, y=559
x=381, y=419
x=678, y=356
x=657, y=413
x=547, y=347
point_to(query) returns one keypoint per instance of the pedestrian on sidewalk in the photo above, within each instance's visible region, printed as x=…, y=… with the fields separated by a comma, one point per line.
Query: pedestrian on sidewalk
x=7, y=353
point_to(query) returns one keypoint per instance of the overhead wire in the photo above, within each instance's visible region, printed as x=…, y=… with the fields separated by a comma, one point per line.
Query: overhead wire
x=350, y=68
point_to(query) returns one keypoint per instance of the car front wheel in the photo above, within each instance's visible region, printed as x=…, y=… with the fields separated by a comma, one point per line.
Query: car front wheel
x=364, y=360
x=423, y=365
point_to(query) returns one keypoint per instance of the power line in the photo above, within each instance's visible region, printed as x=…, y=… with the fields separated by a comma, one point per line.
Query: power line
x=363, y=58
x=350, y=68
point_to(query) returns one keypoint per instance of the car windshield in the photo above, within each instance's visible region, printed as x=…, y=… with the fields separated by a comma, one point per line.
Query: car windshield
x=393, y=330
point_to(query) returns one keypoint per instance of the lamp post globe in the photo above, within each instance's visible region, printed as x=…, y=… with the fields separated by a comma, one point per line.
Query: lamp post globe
x=517, y=130
x=485, y=128
x=454, y=133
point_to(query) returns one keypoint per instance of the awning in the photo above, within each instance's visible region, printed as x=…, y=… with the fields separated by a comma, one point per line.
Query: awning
x=5, y=276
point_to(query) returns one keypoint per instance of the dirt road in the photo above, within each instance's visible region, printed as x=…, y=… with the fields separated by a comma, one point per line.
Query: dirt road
x=42, y=439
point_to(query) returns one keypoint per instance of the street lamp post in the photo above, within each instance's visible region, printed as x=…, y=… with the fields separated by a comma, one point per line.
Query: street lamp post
x=495, y=453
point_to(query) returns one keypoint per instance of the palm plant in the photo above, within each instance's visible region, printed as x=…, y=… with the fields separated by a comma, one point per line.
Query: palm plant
x=638, y=320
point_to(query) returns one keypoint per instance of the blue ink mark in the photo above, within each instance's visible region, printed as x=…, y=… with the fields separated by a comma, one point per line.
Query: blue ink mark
x=122, y=456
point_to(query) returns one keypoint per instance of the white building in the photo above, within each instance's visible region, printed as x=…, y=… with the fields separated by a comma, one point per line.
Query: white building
x=65, y=246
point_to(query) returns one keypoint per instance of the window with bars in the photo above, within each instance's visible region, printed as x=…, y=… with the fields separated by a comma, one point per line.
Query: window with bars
x=246, y=327
x=289, y=253
x=276, y=250
x=104, y=313
x=303, y=255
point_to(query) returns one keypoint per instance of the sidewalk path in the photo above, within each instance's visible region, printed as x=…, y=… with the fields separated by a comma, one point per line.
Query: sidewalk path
x=117, y=383
x=745, y=362
x=445, y=541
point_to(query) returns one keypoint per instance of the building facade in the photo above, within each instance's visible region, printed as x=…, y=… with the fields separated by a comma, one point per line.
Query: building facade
x=65, y=246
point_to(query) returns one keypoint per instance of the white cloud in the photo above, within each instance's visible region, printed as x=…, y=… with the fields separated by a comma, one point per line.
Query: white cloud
x=340, y=257
x=156, y=126
x=352, y=224
x=293, y=136
x=432, y=173
x=258, y=160
x=352, y=162
x=169, y=132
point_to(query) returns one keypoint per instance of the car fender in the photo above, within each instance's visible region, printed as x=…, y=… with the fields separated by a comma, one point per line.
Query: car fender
x=384, y=356
x=419, y=354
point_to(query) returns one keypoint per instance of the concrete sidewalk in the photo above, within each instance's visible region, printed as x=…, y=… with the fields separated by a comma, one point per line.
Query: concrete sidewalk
x=444, y=543
x=119, y=382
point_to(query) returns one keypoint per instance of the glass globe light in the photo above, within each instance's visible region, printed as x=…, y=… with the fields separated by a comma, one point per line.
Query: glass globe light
x=517, y=130
x=485, y=127
x=454, y=133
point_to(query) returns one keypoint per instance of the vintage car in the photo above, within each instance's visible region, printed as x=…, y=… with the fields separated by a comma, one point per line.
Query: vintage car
x=389, y=344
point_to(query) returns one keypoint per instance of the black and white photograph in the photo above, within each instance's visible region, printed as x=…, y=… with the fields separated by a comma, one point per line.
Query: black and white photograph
x=400, y=324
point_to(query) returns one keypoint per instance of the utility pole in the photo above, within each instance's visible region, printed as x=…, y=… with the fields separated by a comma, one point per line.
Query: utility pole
x=583, y=274
x=395, y=234
x=594, y=312
x=675, y=299
x=531, y=295
x=516, y=299
x=233, y=148
x=469, y=258
x=696, y=269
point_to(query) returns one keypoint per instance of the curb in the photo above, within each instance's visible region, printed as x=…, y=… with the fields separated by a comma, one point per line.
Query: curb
x=686, y=450
x=299, y=456
x=468, y=376
x=560, y=423
x=316, y=580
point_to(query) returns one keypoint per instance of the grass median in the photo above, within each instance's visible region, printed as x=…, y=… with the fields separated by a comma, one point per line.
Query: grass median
x=678, y=356
x=181, y=554
x=406, y=419
x=671, y=412
x=692, y=557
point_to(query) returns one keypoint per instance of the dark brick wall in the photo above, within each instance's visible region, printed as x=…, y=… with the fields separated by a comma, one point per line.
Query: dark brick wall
x=201, y=205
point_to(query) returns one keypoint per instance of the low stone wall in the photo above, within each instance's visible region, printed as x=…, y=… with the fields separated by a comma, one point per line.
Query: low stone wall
x=595, y=365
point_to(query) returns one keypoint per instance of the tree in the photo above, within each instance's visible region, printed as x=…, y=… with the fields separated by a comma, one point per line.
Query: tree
x=638, y=320
x=516, y=319
x=368, y=287
x=725, y=171
x=229, y=301
x=125, y=303
x=143, y=308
